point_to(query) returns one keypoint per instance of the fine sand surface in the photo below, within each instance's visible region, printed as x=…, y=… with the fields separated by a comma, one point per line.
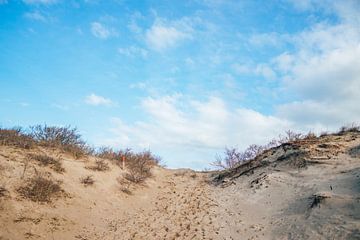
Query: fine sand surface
x=305, y=191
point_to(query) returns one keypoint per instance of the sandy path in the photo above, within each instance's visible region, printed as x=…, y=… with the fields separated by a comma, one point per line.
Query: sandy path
x=178, y=208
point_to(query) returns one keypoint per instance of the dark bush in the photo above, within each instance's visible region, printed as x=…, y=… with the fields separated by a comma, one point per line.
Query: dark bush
x=349, y=128
x=40, y=189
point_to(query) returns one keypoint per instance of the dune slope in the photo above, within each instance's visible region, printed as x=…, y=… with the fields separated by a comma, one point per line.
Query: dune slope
x=304, y=190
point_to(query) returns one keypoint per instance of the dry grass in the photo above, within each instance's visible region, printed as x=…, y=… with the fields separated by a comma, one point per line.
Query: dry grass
x=45, y=160
x=87, y=180
x=100, y=165
x=40, y=189
x=15, y=137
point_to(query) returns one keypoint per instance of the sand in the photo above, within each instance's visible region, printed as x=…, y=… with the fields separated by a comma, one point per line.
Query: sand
x=312, y=195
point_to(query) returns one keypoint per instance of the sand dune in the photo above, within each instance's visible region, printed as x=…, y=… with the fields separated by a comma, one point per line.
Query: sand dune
x=309, y=190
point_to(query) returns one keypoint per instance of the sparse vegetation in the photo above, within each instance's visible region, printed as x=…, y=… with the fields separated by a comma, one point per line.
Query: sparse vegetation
x=40, y=189
x=234, y=156
x=15, y=137
x=349, y=128
x=87, y=180
x=125, y=185
x=65, y=138
x=45, y=160
x=139, y=166
x=100, y=165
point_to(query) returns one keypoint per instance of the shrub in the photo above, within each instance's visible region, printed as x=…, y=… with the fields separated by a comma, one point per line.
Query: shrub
x=100, y=165
x=88, y=180
x=139, y=166
x=349, y=128
x=234, y=156
x=66, y=138
x=124, y=185
x=45, y=160
x=15, y=137
x=40, y=189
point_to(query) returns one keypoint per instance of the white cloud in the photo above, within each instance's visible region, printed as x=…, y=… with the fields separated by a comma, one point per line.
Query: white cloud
x=163, y=35
x=177, y=125
x=323, y=74
x=45, y=2
x=264, y=70
x=101, y=31
x=36, y=16
x=133, y=51
x=96, y=100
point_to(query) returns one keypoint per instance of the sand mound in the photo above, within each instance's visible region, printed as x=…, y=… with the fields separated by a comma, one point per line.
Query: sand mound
x=303, y=190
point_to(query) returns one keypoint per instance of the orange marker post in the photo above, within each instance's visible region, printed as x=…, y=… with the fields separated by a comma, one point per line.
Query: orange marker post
x=123, y=162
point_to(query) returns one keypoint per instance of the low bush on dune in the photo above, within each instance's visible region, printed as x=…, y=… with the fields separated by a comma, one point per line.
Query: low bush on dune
x=99, y=165
x=232, y=157
x=45, y=160
x=68, y=139
x=139, y=166
x=16, y=137
x=349, y=128
x=40, y=189
x=65, y=138
x=87, y=180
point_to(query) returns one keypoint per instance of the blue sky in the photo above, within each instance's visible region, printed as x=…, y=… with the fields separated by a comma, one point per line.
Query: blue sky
x=182, y=78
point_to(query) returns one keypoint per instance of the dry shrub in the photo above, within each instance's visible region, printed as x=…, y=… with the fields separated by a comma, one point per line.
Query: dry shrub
x=114, y=156
x=40, y=189
x=45, y=160
x=125, y=185
x=65, y=138
x=139, y=166
x=234, y=156
x=100, y=165
x=87, y=180
x=15, y=137
x=349, y=128
x=107, y=153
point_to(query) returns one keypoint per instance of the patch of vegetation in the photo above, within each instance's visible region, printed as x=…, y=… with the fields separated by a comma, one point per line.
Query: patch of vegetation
x=100, y=165
x=45, y=160
x=15, y=137
x=125, y=185
x=40, y=189
x=234, y=157
x=139, y=166
x=65, y=138
x=349, y=128
x=87, y=180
